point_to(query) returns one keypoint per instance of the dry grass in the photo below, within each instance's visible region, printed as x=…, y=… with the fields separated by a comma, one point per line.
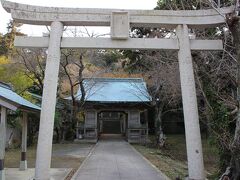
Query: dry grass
x=172, y=159
x=12, y=157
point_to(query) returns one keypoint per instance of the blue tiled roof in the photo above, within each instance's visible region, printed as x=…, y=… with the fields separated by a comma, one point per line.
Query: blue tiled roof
x=114, y=90
x=8, y=94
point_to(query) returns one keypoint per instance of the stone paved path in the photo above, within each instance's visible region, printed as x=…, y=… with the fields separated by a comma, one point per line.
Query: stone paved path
x=116, y=160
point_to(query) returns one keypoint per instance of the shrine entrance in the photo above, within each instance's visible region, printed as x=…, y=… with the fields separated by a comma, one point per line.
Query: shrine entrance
x=111, y=122
x=120, y=22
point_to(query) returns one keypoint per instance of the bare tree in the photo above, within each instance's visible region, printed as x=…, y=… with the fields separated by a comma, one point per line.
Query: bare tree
x=33, y=62
x=164, y=87
x=72, y=68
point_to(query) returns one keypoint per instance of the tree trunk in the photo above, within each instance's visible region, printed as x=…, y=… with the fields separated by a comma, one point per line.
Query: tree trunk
x=160, y=138
x=208, y=108
x=235, y=160
x=80, y=74
x=81, y=84
x=57, y=135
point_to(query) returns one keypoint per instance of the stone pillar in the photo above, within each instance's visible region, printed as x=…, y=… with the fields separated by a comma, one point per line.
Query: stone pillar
x=44, y=148
x=23, y=162
x=191, y=119
x=2, y=141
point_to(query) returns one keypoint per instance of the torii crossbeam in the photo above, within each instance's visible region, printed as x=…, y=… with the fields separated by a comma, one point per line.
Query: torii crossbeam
x=120, y=22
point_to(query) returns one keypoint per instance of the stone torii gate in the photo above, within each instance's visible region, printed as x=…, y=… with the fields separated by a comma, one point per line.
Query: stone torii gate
x=120, y=22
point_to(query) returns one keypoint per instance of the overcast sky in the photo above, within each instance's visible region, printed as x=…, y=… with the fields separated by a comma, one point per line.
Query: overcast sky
x=116, y=4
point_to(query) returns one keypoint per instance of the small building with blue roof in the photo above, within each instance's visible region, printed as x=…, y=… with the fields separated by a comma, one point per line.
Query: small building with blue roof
x=114, y=106
x=9, y=100
x=13, y=101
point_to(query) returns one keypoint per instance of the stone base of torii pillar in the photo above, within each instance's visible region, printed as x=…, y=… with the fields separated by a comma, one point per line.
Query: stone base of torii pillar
x=2, y=174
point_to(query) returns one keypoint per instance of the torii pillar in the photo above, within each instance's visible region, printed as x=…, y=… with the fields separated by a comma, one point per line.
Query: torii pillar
x=190, y=108
x=44, y=148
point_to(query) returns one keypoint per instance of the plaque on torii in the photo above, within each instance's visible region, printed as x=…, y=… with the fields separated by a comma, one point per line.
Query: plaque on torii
x=120, y=22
